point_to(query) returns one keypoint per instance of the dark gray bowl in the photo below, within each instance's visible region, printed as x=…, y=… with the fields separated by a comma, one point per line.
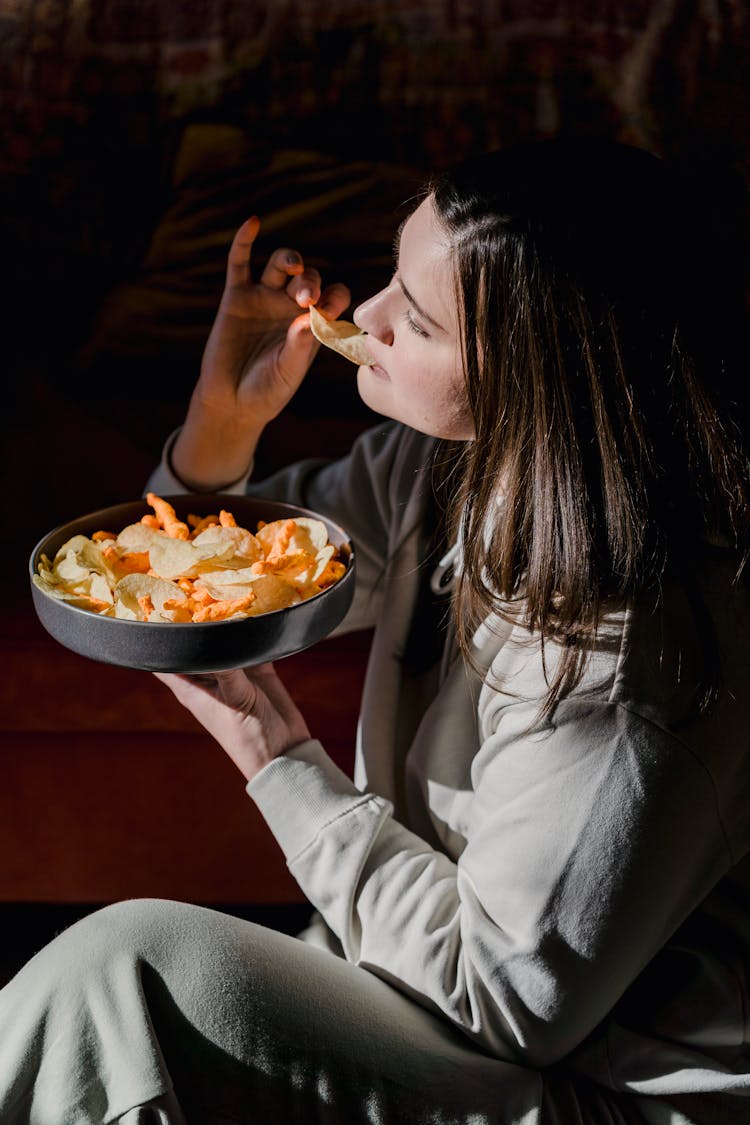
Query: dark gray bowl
x=205, y=647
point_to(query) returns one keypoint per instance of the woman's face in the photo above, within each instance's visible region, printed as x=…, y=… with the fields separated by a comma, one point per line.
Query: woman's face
x=417, y=377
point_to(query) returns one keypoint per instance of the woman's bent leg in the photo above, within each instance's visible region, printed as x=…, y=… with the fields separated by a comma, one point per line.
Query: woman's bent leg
x=246, y=1024
x=76, y=1039
x=160, y=1013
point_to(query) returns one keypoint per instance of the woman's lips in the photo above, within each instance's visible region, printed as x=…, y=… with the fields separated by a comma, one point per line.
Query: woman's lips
x=378, y=371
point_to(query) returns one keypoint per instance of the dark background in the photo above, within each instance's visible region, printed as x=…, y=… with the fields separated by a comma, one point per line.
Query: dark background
x=137, y=135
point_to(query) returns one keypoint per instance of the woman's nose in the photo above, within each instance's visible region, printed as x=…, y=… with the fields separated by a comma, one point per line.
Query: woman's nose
x=372, y=316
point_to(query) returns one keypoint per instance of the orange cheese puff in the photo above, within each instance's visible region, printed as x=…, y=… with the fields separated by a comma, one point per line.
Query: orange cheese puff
x=193, y=608
x=280, y=543
x=332, y=572
x=201, y=596
x=181, y=610
x=220, y=610
x=226, y=519
x=166, y=516
x=97, y=604
x=146, y=605
x=136, y=563
x=102, y=536
x=151, y=521
x=199, y=524
x=274, y=563
x=197, y=600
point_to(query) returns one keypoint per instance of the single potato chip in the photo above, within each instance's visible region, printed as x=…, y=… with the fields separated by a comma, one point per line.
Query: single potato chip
x=131, y=591
x=219, y=592
x=341, y=335
x=138, y=537
x=227, y=577
x=230, y=544
x=316, y=531
x=272, y=592
x=83, y=601
x=173, y=558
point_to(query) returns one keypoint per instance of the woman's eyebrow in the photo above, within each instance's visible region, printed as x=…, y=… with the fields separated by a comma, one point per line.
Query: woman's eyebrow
x=404, y=290
x=422, y=313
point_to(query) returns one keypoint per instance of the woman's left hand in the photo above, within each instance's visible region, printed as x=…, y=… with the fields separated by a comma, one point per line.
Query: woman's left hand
x=249, y=712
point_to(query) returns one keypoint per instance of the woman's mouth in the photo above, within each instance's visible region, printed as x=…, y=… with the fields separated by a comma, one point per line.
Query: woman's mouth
x=378, y=371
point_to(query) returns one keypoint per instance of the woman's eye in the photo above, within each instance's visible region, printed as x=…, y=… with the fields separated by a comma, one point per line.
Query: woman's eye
x=414, y=327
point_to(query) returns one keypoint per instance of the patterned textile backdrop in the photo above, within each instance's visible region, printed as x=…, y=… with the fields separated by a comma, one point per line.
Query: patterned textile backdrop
x=96, y=97
x=422, y=80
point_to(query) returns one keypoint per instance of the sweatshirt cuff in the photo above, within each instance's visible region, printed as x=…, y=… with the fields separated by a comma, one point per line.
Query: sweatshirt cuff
x=301, y=792
x=165, y=482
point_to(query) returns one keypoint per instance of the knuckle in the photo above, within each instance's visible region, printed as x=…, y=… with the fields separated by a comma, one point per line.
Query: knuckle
x=336, y=295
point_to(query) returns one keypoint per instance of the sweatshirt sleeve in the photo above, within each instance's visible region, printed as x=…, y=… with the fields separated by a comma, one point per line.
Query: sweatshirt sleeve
x=165, y=482
x=579, y=865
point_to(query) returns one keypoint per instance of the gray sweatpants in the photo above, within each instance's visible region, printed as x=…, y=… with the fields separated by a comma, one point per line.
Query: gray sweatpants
x=159, y=1012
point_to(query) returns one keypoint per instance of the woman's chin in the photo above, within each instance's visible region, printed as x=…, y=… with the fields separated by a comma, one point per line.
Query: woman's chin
x=370, y=387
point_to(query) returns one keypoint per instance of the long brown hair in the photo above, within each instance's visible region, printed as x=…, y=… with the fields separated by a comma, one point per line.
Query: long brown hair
x=601, y=304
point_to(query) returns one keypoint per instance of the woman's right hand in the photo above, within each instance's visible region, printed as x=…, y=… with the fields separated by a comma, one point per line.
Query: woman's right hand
x=258, y=352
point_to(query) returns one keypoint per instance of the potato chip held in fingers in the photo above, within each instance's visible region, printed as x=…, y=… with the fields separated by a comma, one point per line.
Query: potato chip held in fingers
x=342, y=336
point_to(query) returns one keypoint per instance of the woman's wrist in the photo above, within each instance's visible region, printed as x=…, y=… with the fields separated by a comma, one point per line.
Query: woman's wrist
x=214, y=448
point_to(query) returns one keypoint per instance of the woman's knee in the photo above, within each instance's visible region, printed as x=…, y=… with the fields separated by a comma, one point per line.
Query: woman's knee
x=135, y=921
x=129, y=931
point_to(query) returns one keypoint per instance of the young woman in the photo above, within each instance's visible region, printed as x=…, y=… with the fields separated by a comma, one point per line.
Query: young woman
x=533, y=901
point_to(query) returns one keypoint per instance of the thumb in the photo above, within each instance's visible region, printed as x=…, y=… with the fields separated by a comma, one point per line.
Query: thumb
x=297, y=350
x=235, y=690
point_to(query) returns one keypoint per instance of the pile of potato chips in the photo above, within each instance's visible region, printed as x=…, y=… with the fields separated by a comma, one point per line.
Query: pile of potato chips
x=207, y=569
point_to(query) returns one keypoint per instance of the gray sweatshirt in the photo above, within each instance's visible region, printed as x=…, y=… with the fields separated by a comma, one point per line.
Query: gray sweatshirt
x=581, y=893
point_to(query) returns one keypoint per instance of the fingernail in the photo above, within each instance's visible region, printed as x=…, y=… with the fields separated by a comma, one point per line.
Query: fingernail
x=293, y=259
x=304, y=295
